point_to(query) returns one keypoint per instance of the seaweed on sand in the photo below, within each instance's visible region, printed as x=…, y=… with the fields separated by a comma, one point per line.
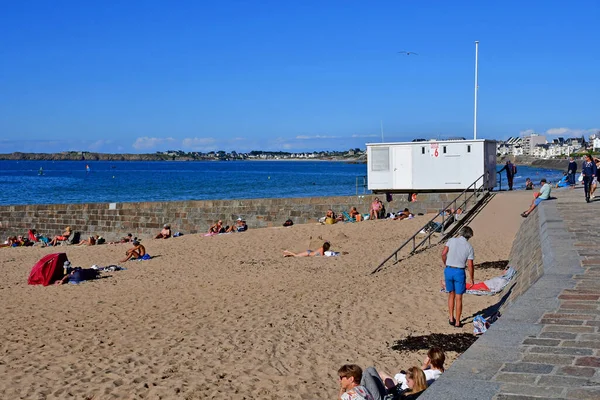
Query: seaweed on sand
x=457, y=342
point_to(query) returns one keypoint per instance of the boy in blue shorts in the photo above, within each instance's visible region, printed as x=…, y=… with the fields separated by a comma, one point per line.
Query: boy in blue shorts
x=457, y=255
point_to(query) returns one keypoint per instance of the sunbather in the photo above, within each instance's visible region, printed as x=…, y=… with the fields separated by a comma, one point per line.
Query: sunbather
x=309, y=253
x=217, y=227
x=355, y=214
x=65, y=236
x=165, y=233
x=350, y=388
x=239, y=226
x=91, y=241
x=376, y=207
x=404, y=214
x=78, y=275
x=136, y=252
x=433, y=367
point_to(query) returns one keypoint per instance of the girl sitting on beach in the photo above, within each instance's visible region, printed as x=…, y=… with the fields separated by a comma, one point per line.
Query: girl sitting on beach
x=433, y=367
x=309, y=253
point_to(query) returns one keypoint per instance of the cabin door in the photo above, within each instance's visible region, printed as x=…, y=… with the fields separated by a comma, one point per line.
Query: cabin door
x=402, y=168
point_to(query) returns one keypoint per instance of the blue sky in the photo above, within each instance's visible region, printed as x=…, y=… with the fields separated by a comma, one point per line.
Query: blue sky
x=145, y=76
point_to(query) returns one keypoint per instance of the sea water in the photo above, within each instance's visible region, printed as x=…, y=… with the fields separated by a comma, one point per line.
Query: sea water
x=133, y=181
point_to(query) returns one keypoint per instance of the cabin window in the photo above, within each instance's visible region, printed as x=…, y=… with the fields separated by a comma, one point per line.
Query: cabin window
x=380, y=159
x=468, y=148
x=444, y=149
x=422, y=150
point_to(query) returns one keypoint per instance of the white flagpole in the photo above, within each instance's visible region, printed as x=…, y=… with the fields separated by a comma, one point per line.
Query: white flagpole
x=476, y=88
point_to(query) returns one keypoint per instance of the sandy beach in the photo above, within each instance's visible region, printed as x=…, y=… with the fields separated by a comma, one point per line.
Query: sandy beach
x=228, y=317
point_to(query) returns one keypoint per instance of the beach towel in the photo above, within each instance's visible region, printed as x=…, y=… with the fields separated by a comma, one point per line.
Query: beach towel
x=330, y=253
x=491, y=286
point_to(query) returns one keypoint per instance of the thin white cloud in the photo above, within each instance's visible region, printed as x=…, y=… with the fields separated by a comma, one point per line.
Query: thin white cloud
x=199, y=144
x=306, y=137
x=526, y=132
x=570, y=132
x=145, y=142
x=364, y=136
x=99, y=145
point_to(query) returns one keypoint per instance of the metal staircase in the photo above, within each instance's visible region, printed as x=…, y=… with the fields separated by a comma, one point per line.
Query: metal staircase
x=442, y=227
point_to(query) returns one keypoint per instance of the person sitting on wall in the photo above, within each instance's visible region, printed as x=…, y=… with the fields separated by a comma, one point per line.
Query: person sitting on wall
x=309, y=253
x=165, y=233
x=217, y=227
x=137, y=252
x=239, y=226
x=543, y=194
x=65, y=236
x=404, y=215
x=376, y=206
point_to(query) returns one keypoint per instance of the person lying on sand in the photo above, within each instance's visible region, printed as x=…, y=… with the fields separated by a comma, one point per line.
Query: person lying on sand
x=309, y=253
x=433, y=367
x=136, y=252
x=403, y=214
x=78, y=275
x=165, y=233
x=91, y=241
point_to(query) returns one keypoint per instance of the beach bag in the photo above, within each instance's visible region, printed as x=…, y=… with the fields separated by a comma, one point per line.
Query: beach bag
x=288, y=222
x=480, y=325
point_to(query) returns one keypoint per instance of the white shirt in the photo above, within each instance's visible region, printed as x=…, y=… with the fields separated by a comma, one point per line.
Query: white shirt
x=430, y=374
x=459, y=251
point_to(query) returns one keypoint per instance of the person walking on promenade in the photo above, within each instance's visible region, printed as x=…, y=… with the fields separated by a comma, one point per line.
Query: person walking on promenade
x=589, y=171
x=457, y=255
x=572, y=170
x=511, y=170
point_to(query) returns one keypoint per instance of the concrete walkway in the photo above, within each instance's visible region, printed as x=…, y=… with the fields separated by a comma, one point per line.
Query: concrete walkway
x=547, y=342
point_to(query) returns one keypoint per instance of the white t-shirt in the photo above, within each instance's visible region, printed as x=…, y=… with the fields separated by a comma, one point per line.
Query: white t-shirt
x=459, y=251
x=430, y=374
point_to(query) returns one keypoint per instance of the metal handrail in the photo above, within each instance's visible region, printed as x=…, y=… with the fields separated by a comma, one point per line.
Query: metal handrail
x=415, y=246
x=364, y=184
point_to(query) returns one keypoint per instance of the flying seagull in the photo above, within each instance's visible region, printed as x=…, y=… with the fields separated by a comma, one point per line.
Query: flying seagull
x=408, y=53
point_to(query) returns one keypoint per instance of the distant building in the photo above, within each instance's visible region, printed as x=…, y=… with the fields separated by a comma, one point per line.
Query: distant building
x=532, y=140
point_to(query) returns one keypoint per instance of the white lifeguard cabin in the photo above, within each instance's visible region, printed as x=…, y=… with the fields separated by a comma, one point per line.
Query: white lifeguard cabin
x=430, y=166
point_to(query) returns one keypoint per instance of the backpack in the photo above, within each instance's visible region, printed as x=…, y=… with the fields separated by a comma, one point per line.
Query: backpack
x=289, y=222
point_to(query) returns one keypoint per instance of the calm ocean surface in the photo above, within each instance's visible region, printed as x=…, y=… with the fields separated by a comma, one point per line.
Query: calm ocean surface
x=132, y=181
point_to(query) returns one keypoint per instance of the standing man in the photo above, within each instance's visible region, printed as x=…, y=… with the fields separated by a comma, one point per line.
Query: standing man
x=511, y=170
x=572, y=171
x=457, y=255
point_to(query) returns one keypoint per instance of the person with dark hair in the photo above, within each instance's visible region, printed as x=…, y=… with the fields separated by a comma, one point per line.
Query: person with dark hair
x=571, y=171
x=309, y=253
x=511, y=171
x=403, y=214
x=589, y=171
x=457, y=255
x=543, y=194
x=350, y=388
x=136, y=252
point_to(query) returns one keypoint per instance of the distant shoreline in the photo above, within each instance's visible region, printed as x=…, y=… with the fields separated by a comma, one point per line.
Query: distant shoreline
x=89, y=157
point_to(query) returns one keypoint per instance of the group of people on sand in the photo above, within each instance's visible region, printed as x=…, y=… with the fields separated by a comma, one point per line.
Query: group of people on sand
x=376, y=211
x=356, y=384
x=238, y=226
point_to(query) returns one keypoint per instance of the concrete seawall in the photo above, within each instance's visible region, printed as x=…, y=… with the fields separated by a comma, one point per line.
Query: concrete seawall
x=113, y=220
x=545, y=343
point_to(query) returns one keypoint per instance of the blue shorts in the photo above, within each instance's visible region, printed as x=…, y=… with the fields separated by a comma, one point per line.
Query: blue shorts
x=537, y=201
x=456, y=280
